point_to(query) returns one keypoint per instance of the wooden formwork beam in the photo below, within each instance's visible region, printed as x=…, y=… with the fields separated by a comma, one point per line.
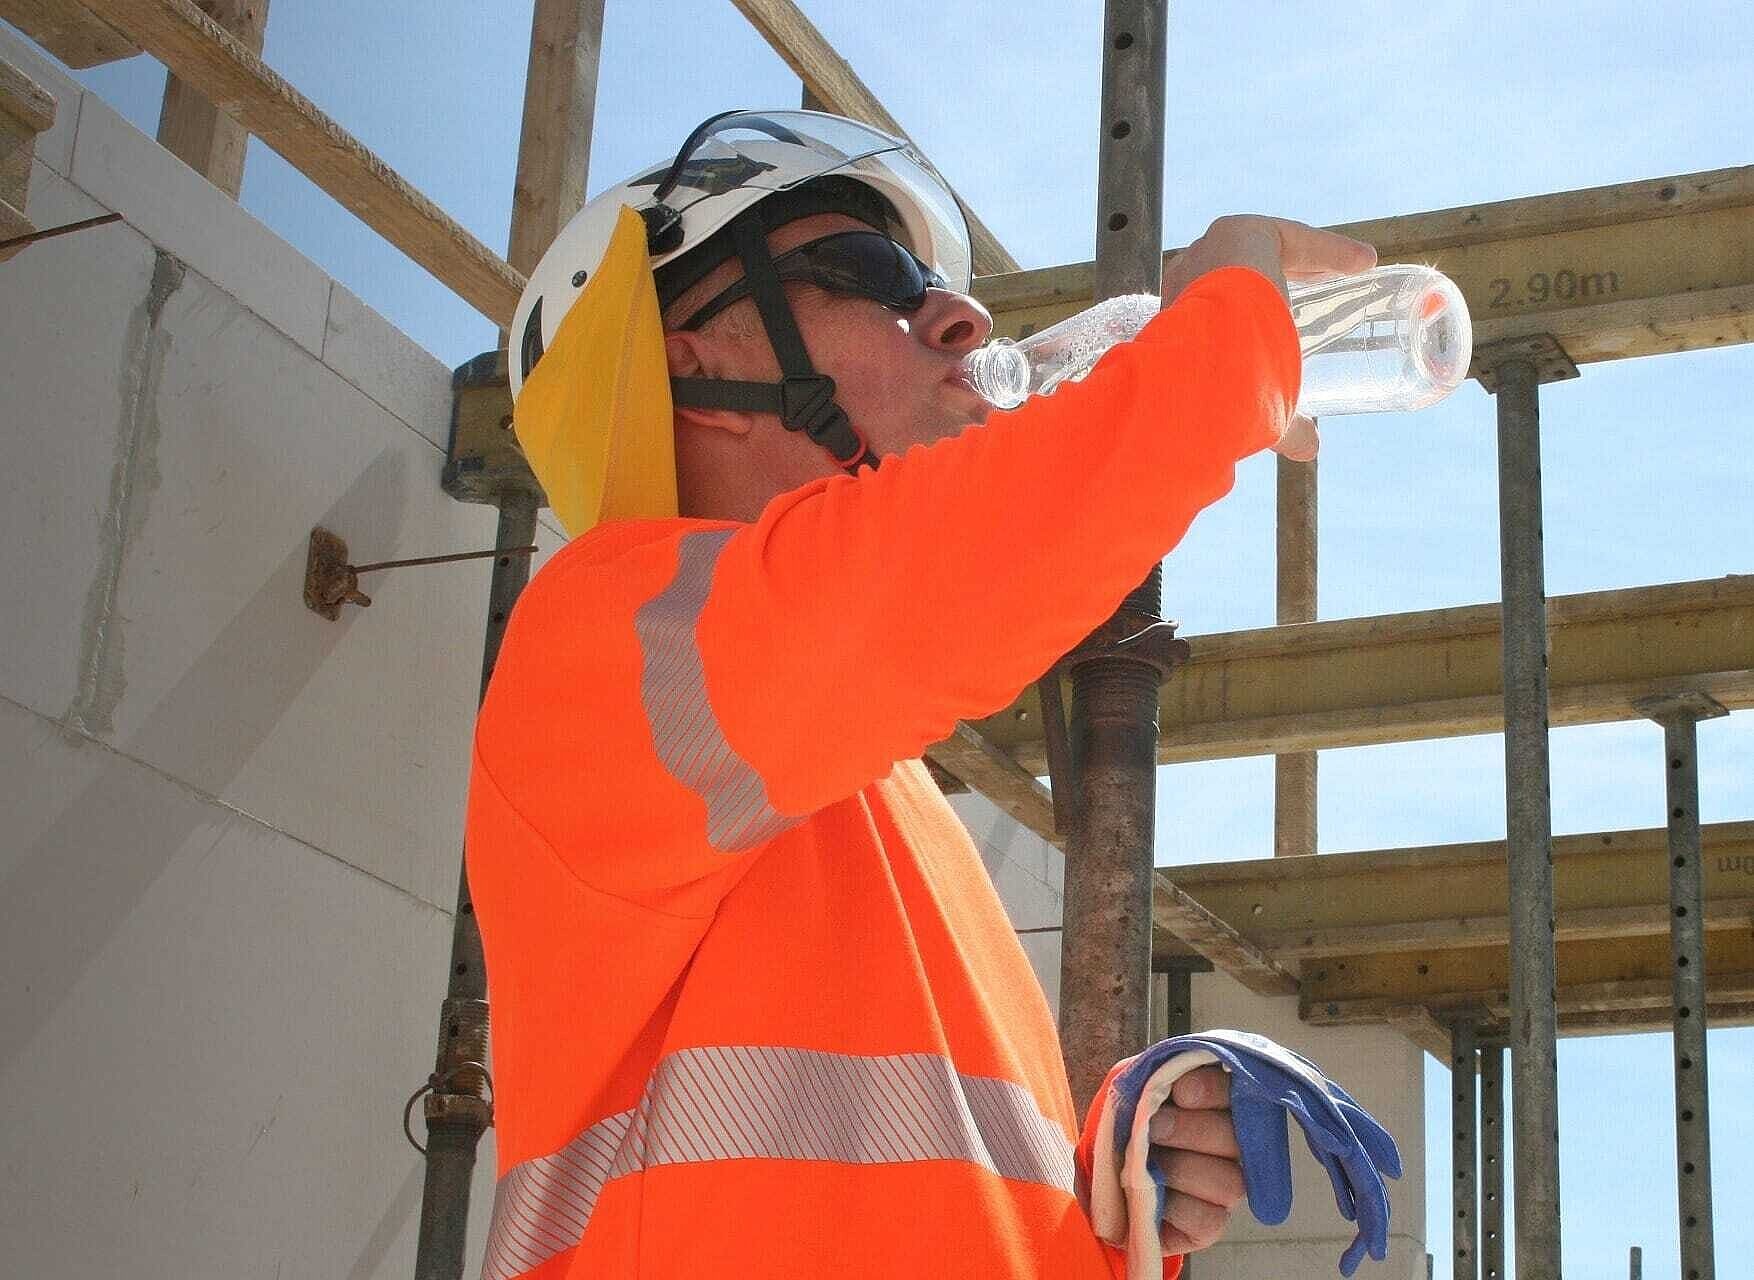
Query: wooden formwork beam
x=69, y=30
x=200, y=51
x=1395, y=936
x=836, y=87
x=1633, y=269
x=192, y=128
x=1432, y=674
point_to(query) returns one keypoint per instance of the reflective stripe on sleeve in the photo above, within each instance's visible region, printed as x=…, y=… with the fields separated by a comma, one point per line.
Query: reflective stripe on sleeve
x=684, y=729
x=757, y=1102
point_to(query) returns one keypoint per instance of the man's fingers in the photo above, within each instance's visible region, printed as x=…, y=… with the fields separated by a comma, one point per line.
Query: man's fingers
x=1190, y=1223
x=1202, y=1088
x=1309, y=252
x=1301, y=441
x=1208, y=1132
x=1209, y=1178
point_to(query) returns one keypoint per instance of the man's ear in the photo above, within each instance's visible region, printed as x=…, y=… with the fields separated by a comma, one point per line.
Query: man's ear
x=689, y=355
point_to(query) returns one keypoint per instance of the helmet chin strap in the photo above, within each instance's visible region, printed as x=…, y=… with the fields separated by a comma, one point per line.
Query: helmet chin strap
x=803, y=398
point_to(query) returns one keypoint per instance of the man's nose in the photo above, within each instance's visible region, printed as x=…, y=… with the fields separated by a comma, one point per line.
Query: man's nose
x=953, y=322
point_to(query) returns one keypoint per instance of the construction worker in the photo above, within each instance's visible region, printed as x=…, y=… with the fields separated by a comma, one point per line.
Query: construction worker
x=757, y=1008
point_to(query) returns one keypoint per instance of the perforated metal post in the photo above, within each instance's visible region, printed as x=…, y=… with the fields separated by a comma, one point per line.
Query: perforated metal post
x=1106, y=952
x=1465, y=1152
x=1492, y=1162
x=566, y=37
x=1679, y=716
x=1513, y=372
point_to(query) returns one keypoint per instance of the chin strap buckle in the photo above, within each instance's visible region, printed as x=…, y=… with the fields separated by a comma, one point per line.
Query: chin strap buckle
x=807, y=405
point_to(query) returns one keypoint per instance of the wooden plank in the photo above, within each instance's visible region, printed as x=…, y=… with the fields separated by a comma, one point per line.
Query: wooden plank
x=1447, y=897
x=1592, y=1008
x=192, y=128
x=1469, y=931
x=836, y=86
x=1176, y=913
x=1638, y=268
x=1421, y=1026
x=69, y=30
x=560, y=102
x=1437, y=673
x=204, y=54
x=971, y=757
x=26, y=109
x=1481, y=975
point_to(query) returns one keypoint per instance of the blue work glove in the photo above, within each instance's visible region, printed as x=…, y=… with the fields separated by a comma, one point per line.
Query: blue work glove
x=1268, y=1082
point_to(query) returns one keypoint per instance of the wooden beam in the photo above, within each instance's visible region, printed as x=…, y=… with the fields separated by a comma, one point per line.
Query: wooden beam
x=26, y=109
x=1493, y=930
x=1421, y=1026
x=971, y=757
x=1606, y=885
x=1174, y=912
x=208, y=57
x=1595, y=1008
x=1433, y=674
x=69, y=30
x=836, y=86
x=192, y=128
x=1633, y=269
x=560, y=104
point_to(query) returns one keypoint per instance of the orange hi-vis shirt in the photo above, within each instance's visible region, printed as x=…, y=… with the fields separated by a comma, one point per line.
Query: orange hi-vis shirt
x=757, y=1008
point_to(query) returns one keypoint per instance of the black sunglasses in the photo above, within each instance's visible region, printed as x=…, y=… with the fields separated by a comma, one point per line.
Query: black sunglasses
x=859, y=264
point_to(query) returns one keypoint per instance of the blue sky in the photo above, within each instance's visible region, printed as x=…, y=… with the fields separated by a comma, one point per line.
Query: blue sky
x=1311, y=110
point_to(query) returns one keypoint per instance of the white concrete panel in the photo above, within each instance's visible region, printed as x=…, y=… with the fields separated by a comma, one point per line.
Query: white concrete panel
x=211, y=1030
x=1296, y=1259
x=72, y=324
x=992, y=828
x=1043, y=950
x=389, y=366
x=351, y=735
x=54, y=146
x=182, y=212
x=1381, y=1069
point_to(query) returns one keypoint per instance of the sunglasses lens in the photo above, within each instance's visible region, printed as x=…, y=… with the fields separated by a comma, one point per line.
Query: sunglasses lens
x=857, y=264
x=864, y=264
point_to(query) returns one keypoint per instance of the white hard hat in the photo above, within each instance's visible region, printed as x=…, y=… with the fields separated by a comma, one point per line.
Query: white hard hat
x=728, y=165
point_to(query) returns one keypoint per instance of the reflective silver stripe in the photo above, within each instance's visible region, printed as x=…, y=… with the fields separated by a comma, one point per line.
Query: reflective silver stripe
x=684, y=729
x=756, y=1102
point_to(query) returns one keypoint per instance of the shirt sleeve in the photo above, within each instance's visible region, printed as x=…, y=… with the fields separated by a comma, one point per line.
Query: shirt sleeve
x=671, y=692
x=859, y=619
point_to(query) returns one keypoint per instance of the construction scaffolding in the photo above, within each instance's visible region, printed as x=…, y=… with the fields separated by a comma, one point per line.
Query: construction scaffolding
x=1466, y=949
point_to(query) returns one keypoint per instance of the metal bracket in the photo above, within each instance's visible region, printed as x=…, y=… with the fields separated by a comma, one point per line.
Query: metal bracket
x=1129, y=633
x=1542, y=350
x=329, y=579
x=1680, y=705
x=484, y=462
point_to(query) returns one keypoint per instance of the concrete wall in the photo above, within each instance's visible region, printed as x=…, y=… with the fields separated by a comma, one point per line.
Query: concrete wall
x=231, y=828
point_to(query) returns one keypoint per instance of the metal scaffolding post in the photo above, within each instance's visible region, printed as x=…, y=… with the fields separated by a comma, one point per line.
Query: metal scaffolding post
x=1679, y=715
x=1513, y=371
x=1492, y=1162
x=1465, y=1149
x=566, y=38
x=1294, y=773
x=1105, y=969
x=458, y=1111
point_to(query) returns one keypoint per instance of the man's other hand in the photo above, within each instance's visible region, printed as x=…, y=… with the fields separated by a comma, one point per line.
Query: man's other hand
x=1193, y=1143
x=1278, y=248
x=1281, y=250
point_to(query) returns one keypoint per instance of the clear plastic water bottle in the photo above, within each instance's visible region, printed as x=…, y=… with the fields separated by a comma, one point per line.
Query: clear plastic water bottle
x=1394, y=338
